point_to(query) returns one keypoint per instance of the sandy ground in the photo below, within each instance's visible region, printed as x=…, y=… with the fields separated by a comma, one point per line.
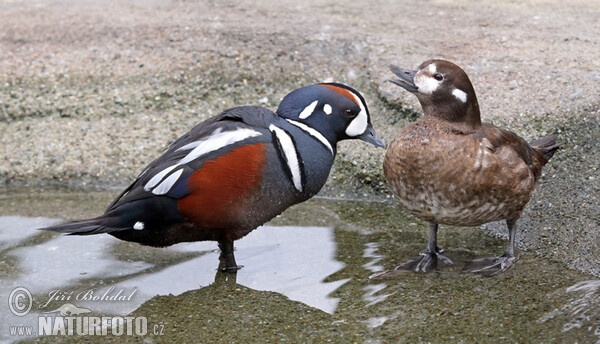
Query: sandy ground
x=91, y=92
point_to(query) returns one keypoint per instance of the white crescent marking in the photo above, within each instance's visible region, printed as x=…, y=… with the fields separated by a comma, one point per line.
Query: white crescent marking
x=289, y=151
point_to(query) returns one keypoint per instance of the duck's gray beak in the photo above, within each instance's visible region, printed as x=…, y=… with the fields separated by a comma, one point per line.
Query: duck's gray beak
x=371, y=137
x=407, y=78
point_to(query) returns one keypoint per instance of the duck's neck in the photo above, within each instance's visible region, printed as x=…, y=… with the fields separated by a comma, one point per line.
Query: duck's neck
x=463, y=117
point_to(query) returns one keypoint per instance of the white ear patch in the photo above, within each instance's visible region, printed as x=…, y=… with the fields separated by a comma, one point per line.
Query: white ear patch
x=327, y=109
x=138, y=226
x=460, y=95
x=308, y=110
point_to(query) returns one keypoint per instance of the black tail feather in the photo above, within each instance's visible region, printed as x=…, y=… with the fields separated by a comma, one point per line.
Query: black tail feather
x=84, y=227
x=546, y=145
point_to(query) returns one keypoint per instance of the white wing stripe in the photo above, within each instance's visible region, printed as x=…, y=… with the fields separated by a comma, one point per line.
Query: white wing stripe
x=168, y=183
x=215, y=141
x=314, y=133
x=289, y=151
x=218, y=140
x=158, y=177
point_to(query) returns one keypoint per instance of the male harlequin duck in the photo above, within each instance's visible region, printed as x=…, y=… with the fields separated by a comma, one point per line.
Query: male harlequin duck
x=449, y=168
x=235, y=171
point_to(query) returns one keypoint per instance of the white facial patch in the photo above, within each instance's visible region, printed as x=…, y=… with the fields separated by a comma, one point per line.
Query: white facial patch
x=359, y=124
x=432, y=68
x=168, y=183
x=314, y=133
x=460, y=95
x=427, y=83
x=138, y=226
x=289, y=152
x=308, y=110
x=327, y=109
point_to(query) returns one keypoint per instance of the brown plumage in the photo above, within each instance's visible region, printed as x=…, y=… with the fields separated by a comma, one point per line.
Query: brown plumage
x=449, y=168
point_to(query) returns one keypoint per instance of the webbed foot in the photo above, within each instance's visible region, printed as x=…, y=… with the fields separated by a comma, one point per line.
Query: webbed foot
x=425, y=263
x=490, y=266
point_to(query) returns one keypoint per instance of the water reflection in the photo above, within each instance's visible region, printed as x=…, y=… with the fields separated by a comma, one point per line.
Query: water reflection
x=283, y=264
x=582, y=310
x=293, y=261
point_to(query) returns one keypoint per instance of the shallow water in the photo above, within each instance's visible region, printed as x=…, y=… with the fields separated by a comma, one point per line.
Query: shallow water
x=305, y=279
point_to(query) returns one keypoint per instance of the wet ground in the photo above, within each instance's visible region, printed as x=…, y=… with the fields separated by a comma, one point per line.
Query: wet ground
x=305, y=279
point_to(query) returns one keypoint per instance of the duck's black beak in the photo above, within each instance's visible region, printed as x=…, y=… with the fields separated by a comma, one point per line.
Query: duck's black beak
x=407, y=78
x=371, y=137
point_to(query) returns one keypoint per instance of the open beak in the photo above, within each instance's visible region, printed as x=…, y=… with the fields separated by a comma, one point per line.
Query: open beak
x=407, y=78
x=371, y=137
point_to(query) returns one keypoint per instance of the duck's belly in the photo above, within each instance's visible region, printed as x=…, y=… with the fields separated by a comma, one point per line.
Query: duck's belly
x=439, y=208
x=455, y=183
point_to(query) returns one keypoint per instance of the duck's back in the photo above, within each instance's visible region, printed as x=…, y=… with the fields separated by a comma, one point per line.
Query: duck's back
x=444, y=176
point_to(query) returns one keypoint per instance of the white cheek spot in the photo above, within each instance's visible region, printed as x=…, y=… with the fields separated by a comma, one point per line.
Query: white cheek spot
x=138, y=226
x=327, y=109
x=460, y=95
x=289, y=152
x=308, y=110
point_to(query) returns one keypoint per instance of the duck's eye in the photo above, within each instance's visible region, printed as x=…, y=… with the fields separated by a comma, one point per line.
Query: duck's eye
x=349, y=113
x=438, y=77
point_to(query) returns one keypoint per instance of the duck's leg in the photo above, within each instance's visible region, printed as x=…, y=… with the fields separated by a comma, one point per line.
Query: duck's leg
x=426, y=262
x=493, y=266
x=226, y=247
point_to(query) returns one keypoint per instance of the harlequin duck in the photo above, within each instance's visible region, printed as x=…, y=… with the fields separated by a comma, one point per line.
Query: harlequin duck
x=235, y=171
x=449, y=168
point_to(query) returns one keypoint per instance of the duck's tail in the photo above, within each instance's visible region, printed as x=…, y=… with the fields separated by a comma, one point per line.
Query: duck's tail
x=84, y=227
x=546, y=145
